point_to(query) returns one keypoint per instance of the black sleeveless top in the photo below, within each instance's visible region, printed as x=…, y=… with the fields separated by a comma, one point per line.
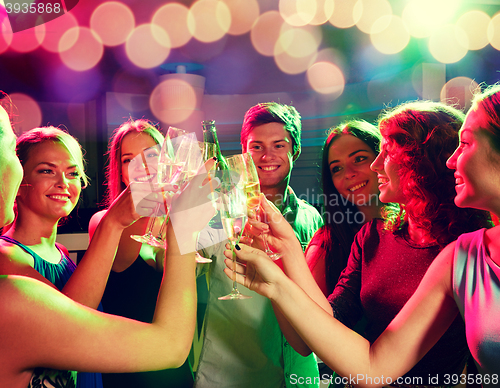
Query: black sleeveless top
x=132, y=294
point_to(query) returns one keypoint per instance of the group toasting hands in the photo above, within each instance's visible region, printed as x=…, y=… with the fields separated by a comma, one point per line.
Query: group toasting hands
x=463, y=280
x=428, y=300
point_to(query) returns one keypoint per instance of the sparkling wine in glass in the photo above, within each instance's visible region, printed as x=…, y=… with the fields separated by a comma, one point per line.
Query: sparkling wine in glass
x=168, y=171
x=243, y=165
x=233, y=217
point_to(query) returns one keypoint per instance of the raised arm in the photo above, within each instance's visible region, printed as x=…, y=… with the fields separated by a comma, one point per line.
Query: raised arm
x=283, y=239
x=418, y=326
x=86, y=285
x=86, y=340
x=83, y=339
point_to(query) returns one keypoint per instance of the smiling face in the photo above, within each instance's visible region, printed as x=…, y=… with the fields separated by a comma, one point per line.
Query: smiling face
x=387, y=172
x=133, y=169
x=476, y=165
x=11, y=172
x=349, y=160
x=271, y=148
x=52, y=184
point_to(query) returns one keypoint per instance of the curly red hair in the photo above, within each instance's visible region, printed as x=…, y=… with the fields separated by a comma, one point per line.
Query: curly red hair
x=426, y=134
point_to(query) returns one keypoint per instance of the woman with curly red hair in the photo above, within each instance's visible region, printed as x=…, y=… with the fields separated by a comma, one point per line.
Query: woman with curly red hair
x=390, y=257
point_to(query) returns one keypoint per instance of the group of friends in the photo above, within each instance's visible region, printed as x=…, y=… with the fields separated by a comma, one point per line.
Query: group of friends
x=413, y=267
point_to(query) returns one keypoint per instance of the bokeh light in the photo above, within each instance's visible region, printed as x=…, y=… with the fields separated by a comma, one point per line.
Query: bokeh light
x=297, y=12
x=244, y=13
x=209, y=20
x=423, y=17
x=390, y=35
x=28, y=113
x=326, y=78
x=113, y=22
x=148, y=46
x=173, y=101
x=5, y=33
x=294, y=65
x=299, y=42
x=80, y=48
x=266, y=32
x=296, y=49
x=55, y=29
x=494, y=31
x=172, y=17
x=448, y=44
x=28, y=40
x=475, y=25
x=343, y=16
x=459, y=90
x=324, y=11
x=367, y=12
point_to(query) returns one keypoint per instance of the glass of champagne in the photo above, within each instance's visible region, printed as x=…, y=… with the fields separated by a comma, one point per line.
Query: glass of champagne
x=233, y=217
x=243, y=165
x=169, y=170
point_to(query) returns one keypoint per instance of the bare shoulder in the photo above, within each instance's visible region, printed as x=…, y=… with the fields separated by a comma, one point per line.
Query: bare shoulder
x=95, y=220
x=12, y=256
x=440, y=271
x=15, y=261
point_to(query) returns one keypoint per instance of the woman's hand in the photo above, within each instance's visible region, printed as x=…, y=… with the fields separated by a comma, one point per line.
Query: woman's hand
x=193, y=207
x=278, y=231
x=254, y=270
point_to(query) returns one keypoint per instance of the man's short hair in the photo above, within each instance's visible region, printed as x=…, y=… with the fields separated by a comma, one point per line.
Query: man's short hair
x=273, y=112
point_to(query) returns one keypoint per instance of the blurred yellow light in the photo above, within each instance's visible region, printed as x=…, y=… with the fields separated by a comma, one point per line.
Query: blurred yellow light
x=324, y=11
x=298, y=42
x=326, y=78
x=266, y=32
x=342, y=16
x=459, y=90
x=446, y=44
x=494, y=31
x=148, y=46
x=425, y=16
x=298, y=12
x=56, y=28
x=209, y=20
x=172, y=17
x=294, y=65
x=113, y=22
x=475, y=25
x=390, y=35
x=367, y=12
x=173, y=101
x=244, y=13
x=80, y=48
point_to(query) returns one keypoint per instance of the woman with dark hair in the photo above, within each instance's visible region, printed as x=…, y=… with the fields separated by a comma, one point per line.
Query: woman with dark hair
x=135, y=277
x=350, y=196
x=389, y=258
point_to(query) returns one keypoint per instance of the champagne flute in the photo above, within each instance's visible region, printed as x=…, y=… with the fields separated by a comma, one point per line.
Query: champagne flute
x=233, y=216
x=243, y=165
x=168, y=170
